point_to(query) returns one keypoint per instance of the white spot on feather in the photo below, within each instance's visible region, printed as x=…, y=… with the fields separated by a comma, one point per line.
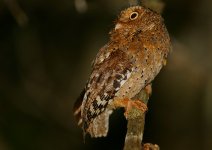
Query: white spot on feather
x=100, y=102
x=122, y=82
x=92, y=110
x=118, y=26
x=98, y=99
x=97, y=75
x=85, y=97
x=107, y=55
x=117, y=88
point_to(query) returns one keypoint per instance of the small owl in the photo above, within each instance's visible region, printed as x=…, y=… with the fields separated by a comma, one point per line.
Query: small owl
x=136, y=52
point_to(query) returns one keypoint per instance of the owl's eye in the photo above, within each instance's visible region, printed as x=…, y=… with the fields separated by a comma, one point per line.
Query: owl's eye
x=133, y=15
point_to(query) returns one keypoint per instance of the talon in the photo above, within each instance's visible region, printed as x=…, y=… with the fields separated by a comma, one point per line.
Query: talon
x=129, y=104
x=140, y=105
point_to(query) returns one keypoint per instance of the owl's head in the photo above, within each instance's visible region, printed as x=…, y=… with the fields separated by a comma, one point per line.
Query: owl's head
x=137, y=17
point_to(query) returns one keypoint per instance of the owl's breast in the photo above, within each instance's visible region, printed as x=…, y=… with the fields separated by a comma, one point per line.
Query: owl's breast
x=147, y=64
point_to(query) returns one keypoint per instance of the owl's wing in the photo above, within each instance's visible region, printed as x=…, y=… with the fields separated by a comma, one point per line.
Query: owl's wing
x=107, y=77
x=77, y=107
x=102, y=55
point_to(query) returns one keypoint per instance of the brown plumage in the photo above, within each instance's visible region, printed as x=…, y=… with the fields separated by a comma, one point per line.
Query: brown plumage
x=137, y=50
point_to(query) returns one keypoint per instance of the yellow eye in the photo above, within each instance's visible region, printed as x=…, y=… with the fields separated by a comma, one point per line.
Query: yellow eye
x=133, y=15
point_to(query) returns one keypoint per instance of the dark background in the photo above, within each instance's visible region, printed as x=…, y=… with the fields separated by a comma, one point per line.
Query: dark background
x=45, y=60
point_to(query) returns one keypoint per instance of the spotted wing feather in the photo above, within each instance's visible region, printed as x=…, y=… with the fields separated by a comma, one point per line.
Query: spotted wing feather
x=106, y=79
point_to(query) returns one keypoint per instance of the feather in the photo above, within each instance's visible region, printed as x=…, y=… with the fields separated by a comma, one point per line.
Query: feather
x=77, y=107
x=102, y=87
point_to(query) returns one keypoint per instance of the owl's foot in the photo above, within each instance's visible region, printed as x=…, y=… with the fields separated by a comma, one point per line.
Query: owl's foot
x=138, y=104
x=129, y=104
x=149, y=146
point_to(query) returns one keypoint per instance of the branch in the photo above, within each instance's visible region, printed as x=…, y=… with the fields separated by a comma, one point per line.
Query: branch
x=136, y=121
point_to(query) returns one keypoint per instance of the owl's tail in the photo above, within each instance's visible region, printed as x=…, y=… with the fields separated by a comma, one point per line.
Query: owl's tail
x=77, y=108
x=99, y=126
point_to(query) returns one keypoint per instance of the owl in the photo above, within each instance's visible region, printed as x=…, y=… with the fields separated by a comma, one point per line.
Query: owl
x=129, y=62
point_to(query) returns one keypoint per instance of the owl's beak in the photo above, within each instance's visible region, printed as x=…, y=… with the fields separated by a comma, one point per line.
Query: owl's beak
x=118, y=26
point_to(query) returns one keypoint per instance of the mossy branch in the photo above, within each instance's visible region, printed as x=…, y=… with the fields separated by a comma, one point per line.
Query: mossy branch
x=135, y=126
